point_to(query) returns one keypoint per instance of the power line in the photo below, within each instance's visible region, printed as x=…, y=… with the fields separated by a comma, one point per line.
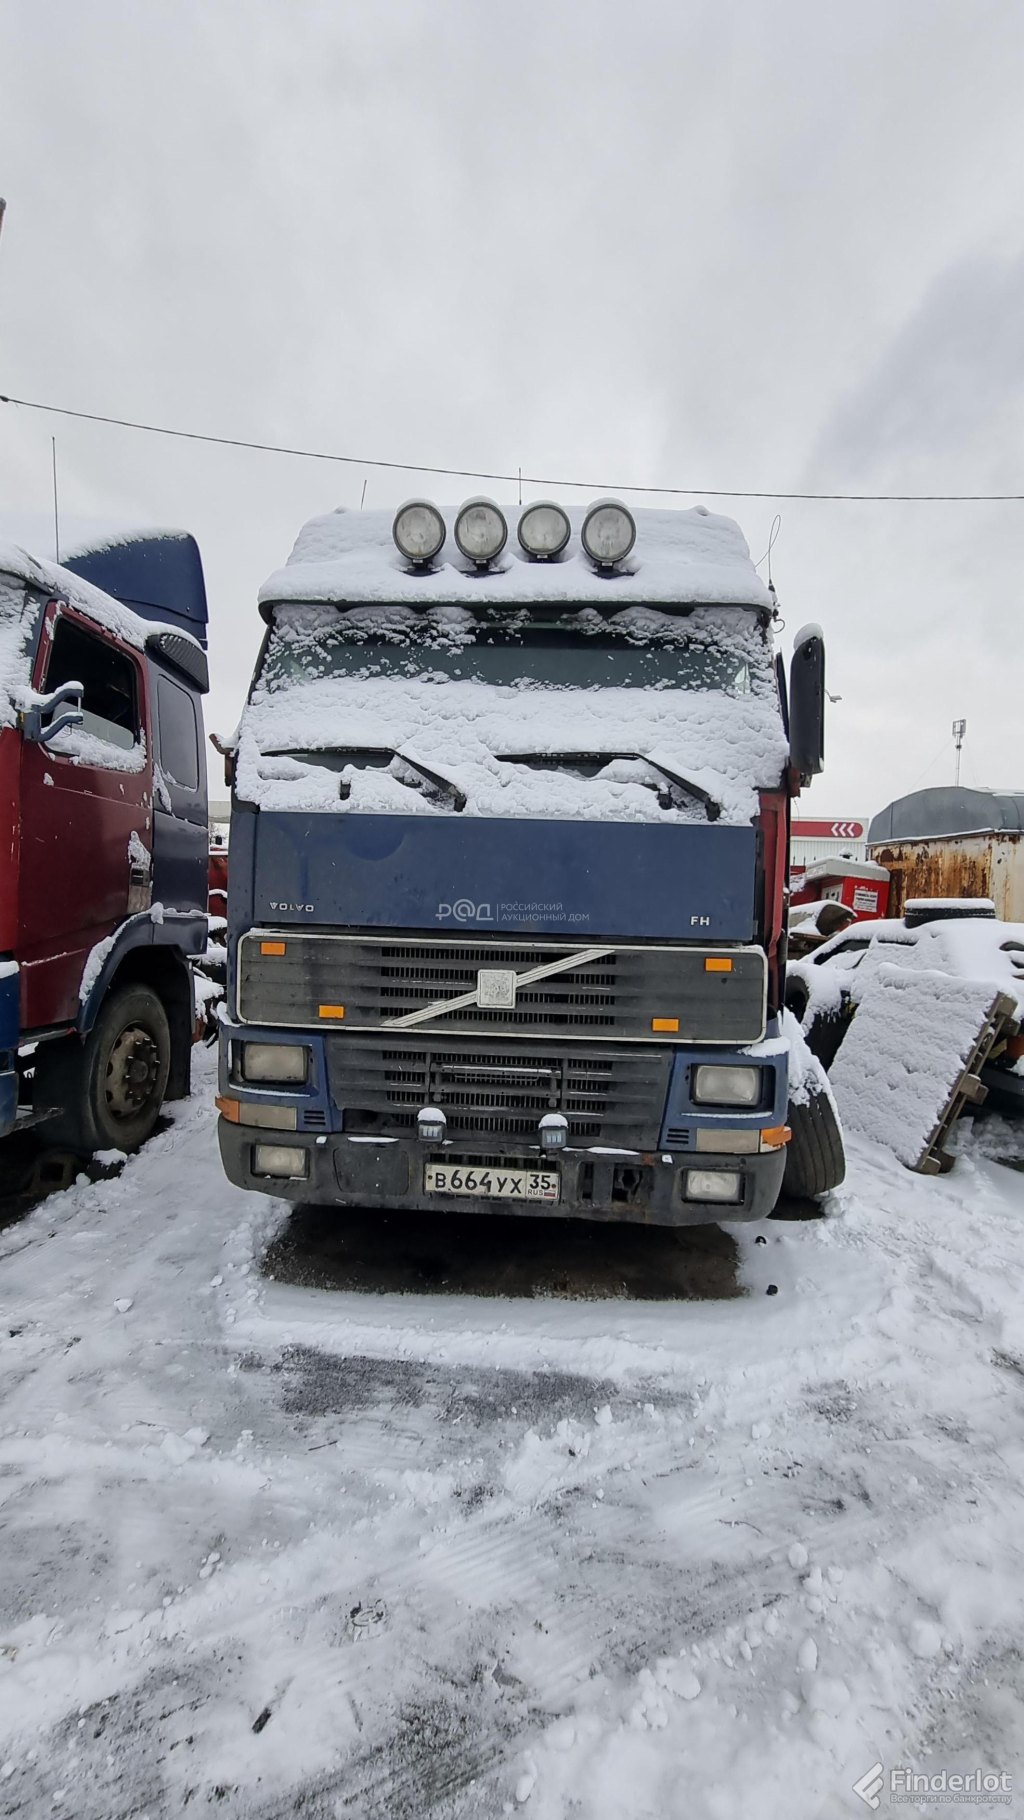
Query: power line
x=533, y=480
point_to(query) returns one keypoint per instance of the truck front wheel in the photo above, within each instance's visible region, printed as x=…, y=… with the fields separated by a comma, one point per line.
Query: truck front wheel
x=815, y=1162
x=110, y=1088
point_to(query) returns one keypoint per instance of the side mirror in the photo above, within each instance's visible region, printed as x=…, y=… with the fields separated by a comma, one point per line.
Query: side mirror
x=40, y=733
x=807, y=704
x=227, y=753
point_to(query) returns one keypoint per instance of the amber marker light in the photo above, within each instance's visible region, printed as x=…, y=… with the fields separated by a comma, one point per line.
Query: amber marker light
x=228, y=1109
x=337, y=1011
x=718, y=963
x=775, y=1137
x=273, y=947
x=665, y=1023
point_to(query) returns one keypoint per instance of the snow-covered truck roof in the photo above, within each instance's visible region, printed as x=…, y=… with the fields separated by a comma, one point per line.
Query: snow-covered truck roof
x=59, y=583
x=728, y=740
x=680, y=558
x=19, y=568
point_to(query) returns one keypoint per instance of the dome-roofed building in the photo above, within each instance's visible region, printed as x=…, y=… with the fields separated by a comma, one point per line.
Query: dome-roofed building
x=953, y=842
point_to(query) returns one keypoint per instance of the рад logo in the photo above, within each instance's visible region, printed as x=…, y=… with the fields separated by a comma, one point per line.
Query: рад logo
x=463, y=910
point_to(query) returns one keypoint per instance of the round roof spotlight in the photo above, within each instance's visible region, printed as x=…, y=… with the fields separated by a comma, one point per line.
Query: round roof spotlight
x=609, y=532
x=481, y=531
x=544, y=530
x=418, y=531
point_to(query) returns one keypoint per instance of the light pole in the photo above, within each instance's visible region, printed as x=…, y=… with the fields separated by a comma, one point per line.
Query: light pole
x=959, y=729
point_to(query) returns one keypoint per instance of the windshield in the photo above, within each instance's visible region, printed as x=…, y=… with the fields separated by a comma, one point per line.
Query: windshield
x=545, y=647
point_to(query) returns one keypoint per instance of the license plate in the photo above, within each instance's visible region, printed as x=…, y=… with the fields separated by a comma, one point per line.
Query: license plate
x=496, y=1184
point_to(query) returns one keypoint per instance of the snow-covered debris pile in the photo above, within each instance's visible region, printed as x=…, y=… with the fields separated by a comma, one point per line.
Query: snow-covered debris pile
x=914, y=1035
x=963, y=948
x=810, y=925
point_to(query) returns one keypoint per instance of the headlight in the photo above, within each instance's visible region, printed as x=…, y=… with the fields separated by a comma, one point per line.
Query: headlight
x=480, y=530
x=717, y=1086
x=544, y=530
x=608, y=533
x=274, y=1063
x=418, y=530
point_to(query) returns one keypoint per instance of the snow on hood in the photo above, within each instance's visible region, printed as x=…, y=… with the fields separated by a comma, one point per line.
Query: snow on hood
x=730, y=745
x=680, y=557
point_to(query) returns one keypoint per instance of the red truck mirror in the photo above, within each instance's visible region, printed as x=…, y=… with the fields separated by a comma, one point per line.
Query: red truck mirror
x=39, y=731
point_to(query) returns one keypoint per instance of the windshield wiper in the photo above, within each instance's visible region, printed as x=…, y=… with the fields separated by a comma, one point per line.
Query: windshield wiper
x=338, y=757
x=594, y=762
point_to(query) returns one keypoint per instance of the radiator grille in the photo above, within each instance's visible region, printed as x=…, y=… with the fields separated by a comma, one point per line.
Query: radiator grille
x=615, y=1097
x=614, y=994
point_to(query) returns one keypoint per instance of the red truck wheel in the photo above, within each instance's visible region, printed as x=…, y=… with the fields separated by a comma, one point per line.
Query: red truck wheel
x=111, y=1087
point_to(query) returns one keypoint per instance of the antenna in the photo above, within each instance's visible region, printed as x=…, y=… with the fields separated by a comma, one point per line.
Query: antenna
x=959, y=730
x=56, y=511
x=362, y=496
x=520, y=486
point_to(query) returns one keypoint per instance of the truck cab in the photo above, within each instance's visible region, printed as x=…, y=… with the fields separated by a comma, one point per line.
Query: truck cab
x=509, y=866
x=104, y=838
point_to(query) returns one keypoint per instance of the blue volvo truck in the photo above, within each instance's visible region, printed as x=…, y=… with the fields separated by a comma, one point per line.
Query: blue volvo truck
x=508, y=883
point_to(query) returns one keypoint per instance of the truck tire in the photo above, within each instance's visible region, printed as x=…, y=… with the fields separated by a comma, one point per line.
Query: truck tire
x=111, y=1087
x=815, y=1161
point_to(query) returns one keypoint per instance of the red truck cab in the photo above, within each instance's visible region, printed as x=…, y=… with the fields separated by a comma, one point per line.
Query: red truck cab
x=103, y=836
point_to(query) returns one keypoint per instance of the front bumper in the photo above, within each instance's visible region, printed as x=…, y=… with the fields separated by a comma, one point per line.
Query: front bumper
x=642, y=1188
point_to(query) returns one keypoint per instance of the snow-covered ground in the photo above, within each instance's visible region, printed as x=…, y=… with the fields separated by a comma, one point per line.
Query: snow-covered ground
x=274, y=1548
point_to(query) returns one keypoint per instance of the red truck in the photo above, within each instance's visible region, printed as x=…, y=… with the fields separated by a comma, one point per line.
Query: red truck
x=103, y=836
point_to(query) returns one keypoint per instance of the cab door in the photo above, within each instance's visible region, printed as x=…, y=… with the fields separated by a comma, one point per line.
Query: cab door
x=181, y=836
x=86, y=816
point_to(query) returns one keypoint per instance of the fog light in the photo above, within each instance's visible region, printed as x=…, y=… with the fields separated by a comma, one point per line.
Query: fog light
x=431, y=1125
x=544, y=530
x=714, y=1085
x=481, y=531
x=712, y=1185
x=418, y=531
x=608, y=533
x=274, y=1063
x=554, y=1131
x=285, y=1162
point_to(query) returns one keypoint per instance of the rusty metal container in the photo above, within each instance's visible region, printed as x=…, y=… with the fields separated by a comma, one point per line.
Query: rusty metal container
x=953, y=843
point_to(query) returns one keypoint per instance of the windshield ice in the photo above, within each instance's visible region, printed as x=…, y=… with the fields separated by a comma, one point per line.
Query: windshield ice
x=566, y=711
x=551, y=648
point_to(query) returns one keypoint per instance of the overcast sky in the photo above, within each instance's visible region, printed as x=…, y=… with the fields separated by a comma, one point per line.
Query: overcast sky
x=738, y=244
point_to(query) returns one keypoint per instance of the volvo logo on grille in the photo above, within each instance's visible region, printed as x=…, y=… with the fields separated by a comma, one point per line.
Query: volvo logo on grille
x=496, y=989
